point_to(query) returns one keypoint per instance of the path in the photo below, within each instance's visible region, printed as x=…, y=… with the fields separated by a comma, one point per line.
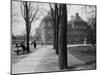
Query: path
x=29, y=63
x=43, y=60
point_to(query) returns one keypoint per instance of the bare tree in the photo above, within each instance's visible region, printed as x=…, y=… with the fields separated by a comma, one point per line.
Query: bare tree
x=30, y=15
x=92, y=24
x=59, y=17
x=56, y=15
x=62, y=39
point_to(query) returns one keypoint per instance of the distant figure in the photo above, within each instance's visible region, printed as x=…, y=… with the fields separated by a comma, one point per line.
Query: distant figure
x=35, y=44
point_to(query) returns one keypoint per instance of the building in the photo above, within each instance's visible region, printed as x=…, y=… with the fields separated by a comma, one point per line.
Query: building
x=77, y=30
x=46, y=30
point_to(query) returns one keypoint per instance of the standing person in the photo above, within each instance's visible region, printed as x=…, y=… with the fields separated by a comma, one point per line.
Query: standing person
x=35, y=44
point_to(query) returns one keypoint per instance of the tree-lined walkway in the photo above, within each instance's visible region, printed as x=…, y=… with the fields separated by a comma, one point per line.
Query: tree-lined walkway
x=29, y=63
x=45, y=60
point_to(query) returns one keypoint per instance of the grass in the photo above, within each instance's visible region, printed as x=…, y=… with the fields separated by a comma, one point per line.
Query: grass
x=84, y=53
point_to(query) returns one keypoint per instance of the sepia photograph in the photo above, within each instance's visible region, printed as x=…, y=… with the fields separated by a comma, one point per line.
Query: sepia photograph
x=52, y=37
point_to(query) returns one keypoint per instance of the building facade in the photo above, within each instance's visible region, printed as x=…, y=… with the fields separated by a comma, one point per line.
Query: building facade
x=77, y=30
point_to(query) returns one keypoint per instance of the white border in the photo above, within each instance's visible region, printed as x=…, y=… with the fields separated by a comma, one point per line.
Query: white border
x=5, y=37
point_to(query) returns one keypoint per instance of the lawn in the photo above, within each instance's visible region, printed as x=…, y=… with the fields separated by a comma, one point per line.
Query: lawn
x=84, y=53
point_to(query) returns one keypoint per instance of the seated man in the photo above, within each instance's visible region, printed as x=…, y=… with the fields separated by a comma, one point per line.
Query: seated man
x=17, y=51
x=23, y=46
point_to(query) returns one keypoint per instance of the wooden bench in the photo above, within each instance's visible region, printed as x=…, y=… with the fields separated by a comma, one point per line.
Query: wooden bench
x=20, y=50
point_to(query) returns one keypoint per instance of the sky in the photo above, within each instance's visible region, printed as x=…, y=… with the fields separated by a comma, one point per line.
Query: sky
x=18, y=23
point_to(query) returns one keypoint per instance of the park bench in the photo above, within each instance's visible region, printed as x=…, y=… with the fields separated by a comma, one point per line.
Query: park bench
x=23, y=48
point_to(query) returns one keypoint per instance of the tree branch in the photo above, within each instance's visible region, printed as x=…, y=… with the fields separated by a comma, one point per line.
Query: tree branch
x=34, y=15
x=23, y=10
x=52, y=13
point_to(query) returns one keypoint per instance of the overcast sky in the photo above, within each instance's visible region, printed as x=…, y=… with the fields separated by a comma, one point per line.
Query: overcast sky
x=18, y=23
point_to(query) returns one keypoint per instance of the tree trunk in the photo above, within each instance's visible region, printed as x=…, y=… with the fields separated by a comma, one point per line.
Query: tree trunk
x=27, y=42
x=55, y=45
x=57, y=39
x=56, y=27
x=54, y=40
x=27, y=28
x=57, y=23
x=62, y=39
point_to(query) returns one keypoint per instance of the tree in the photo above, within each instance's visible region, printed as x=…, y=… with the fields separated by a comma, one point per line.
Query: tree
x=92, y=23
x=56, y=15
x=30, y=15
x=92, y=36
x=62, y=39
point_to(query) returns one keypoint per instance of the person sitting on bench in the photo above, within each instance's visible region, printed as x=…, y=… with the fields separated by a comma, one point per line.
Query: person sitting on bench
x=23, y=46
x=17, y=48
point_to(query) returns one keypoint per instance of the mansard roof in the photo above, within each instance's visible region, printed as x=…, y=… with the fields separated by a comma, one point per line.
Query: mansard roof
x=76, y=18
x=78, y=21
